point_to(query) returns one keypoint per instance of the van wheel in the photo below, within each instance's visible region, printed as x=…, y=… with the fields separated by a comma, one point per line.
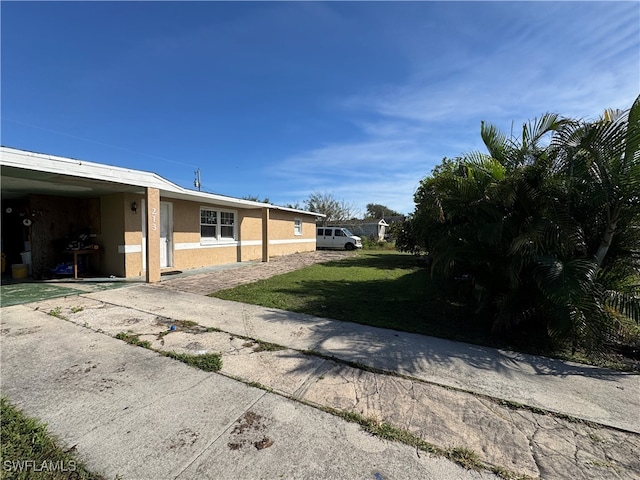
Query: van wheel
x=350, y=246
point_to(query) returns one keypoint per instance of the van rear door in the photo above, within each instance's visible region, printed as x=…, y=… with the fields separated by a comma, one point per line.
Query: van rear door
x=321, y=238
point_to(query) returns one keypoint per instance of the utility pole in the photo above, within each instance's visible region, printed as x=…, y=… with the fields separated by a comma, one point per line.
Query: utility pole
x=196, y=182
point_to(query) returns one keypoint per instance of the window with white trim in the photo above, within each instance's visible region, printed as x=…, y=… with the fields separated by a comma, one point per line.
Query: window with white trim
x=297, y=226
x=217, y=225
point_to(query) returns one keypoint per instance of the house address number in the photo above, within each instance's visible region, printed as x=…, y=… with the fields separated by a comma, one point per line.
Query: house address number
x=154, y=213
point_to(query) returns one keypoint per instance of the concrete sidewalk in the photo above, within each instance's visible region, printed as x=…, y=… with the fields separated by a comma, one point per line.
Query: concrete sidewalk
x=523, y=440
x=589, y=393
x=131, y=413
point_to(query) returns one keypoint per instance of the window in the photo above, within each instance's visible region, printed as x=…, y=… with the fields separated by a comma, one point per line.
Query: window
x=297, y=226
x=227, y=222
x=339, y=233
x=217, y=225
x=321, y=232
x=208, y=223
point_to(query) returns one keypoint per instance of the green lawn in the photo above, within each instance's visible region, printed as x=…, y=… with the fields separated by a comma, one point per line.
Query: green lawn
x=380, y=288
x=393, y=290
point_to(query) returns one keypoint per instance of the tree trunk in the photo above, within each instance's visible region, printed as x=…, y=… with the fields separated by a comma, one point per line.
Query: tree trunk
x=606, y=240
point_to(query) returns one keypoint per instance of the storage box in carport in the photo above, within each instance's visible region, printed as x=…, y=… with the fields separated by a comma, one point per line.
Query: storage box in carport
x=19, y=270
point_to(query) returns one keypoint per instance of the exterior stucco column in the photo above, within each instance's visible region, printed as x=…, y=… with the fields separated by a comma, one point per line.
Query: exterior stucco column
x=152, y=196
x=265, y=234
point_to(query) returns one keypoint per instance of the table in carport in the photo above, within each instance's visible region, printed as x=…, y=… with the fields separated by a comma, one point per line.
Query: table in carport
x=77, y=253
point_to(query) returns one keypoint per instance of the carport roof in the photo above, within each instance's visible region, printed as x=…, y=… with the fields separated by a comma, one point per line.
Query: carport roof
x=25, y=172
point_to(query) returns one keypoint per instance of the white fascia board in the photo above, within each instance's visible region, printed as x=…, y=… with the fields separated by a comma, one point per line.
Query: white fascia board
x=295, y=210
x=213, y=199
x=12, y=157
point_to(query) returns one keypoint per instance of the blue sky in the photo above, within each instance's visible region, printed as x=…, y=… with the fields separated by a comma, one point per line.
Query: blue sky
x=280, y=99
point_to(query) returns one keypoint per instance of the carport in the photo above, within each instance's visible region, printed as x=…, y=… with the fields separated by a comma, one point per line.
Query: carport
x=52, y=206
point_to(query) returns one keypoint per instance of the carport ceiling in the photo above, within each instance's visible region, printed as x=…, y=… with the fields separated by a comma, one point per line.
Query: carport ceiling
x=19, y=183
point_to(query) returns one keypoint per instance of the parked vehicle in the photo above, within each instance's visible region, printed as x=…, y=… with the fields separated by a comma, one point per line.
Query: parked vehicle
x=337, y=237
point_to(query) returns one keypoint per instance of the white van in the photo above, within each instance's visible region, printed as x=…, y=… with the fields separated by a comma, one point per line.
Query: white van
x=337, y=237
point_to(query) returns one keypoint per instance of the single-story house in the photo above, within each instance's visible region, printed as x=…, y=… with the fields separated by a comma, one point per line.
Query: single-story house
x=131, y=223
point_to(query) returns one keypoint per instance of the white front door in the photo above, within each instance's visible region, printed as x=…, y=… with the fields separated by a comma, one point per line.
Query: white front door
x=166, y=229
x=166, y=234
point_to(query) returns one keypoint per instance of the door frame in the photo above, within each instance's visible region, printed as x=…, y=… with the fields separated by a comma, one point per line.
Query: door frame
x=169, y=237
x=169, y=252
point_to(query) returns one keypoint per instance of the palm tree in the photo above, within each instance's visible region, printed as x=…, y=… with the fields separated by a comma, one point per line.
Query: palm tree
x=546, y=225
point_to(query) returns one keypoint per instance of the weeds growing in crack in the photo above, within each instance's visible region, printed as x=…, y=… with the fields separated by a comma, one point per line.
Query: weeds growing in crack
x=602, y=464
x=209, y=362
x=461, y=455
x=133, y=340
x=261, y=346
x=507, y=475
x=260, y=386
x=57, y=312
x=465, y=457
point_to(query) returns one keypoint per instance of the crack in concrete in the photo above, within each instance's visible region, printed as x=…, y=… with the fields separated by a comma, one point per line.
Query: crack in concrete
x=537, y=446
x=224, y=432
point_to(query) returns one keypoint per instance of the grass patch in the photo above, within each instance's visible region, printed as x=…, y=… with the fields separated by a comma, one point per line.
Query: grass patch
x=133, y=340
x=187, y=326
x=209, y=362
x=380, y=288
x=25, y=440
x=389, y=289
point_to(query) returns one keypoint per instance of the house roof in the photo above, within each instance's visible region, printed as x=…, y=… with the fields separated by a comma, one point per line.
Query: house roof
x=24, y=172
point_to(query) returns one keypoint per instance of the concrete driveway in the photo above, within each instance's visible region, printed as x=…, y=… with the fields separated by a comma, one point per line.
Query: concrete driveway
x=518, y=413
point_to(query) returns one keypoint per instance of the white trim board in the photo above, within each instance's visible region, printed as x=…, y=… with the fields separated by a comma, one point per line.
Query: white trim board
x=295, y=240
x=129, y=248
x=198, y=245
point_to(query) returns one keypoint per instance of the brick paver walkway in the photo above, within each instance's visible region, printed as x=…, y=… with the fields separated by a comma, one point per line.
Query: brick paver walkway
x=220, y=279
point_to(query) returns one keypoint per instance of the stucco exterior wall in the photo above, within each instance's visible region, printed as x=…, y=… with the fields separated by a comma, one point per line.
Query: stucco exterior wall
x=282, y=237
x=112, y=234
x=132, y=247
x=188, y=250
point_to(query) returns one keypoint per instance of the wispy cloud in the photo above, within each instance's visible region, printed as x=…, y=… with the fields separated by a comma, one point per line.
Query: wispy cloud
x=562, y=59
